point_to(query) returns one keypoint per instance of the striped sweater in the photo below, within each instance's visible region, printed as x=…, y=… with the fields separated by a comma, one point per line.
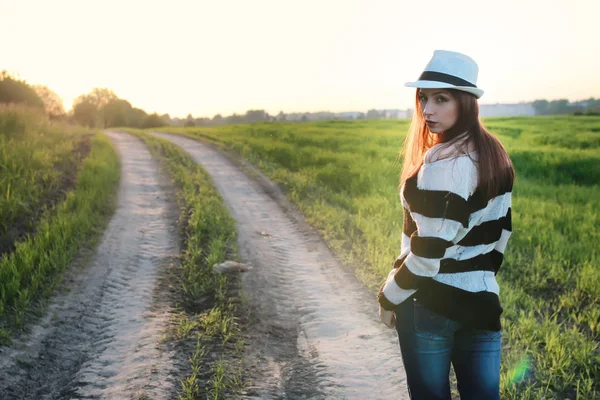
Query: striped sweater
x=453, y=243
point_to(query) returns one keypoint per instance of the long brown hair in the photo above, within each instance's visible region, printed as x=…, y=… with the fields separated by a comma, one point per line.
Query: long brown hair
x=469, y=134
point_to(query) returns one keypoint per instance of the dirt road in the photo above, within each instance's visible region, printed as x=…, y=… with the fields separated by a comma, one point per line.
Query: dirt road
x=99, y=338
x=314, y=331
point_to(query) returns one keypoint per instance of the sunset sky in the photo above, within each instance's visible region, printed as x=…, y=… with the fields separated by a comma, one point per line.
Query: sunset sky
x=219, y=56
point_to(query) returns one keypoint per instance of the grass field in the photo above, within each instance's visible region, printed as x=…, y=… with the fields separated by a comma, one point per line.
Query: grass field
x=343, y=176
x=57, y=185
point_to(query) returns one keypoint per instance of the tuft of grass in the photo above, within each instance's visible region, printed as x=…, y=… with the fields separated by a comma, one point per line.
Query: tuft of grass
x=223, y=379
x=343, y=176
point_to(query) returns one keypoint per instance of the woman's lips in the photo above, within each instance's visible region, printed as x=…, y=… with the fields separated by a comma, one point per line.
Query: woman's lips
x=431, y=124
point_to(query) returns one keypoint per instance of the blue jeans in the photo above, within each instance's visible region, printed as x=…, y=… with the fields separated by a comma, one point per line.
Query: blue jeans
x=430, y=342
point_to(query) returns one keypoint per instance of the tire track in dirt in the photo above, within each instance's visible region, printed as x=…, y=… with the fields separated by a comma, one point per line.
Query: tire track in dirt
x=313, y=328
x=99, y=338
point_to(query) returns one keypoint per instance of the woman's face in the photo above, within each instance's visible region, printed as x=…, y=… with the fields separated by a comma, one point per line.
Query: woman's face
x=440, y=109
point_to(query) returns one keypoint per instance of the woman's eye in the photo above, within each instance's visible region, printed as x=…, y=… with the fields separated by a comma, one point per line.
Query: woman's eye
x=422, y=99
x=441, y=99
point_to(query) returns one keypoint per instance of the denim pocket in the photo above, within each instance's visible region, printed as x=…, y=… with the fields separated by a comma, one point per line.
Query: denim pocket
x=429, y=323
x=493, y=335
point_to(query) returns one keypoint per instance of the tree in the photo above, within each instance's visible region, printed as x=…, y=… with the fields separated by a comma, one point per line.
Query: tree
x=117, y=112
x=152, y=121
x=85, y=111
x=189, y=121
x=102, y=97
x=373, y=114
x=234, y=119
x=90, y=109
x=14, y=90
x=137, y=117
x=203, y=121
x=540, y=107
x=166, y=118
x=256, y=115
x=281, y=116
x=53, y=104
x=217, y=119
x=592, y=106
x=559, y=107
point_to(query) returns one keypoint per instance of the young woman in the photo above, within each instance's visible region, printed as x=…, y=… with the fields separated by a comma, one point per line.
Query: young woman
x=456, y=183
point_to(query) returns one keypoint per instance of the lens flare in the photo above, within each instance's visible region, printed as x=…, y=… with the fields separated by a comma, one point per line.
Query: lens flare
x=521, y=369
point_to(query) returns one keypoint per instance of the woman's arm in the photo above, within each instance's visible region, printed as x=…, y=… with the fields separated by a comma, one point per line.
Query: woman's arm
x=438, y=203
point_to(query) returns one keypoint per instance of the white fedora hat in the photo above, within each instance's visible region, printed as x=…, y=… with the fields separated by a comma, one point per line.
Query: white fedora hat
x=449, y=70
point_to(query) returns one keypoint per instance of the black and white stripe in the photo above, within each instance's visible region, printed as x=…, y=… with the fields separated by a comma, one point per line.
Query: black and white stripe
x=453, y=244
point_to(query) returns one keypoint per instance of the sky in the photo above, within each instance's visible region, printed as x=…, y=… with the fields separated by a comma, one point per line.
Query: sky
x=206, y=57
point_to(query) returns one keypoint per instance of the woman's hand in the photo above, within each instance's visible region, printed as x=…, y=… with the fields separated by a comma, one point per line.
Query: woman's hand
x=387, y=317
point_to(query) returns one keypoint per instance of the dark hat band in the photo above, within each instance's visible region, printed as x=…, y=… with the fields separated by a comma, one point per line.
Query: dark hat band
x=441, y=77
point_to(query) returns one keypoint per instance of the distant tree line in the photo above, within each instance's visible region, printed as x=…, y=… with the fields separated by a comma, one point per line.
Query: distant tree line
x=590, y=106
x=101, y=108
x=218, y=119
x=261, y=115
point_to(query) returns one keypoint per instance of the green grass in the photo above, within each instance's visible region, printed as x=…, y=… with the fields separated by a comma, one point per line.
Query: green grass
x=208, y=314
x=37, y=160
x=33, y=155
x=343, y=175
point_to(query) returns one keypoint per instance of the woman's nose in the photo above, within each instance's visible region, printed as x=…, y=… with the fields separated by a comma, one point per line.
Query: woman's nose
x=428, y=109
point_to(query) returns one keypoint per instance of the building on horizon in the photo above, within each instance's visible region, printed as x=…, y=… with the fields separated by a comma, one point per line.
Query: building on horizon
x=506, y=110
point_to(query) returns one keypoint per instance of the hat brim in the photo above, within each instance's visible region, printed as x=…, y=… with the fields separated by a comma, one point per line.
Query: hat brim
x=442, y=85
